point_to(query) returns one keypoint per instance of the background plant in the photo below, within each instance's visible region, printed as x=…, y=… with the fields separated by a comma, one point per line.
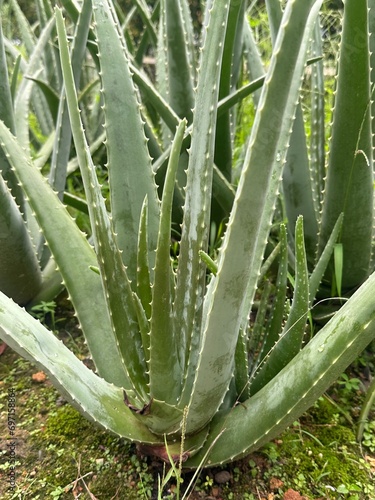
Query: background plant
x=30, y=108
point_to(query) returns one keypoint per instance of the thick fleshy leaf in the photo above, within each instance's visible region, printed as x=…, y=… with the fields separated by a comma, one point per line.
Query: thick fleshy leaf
x=116, y=284
x=166, y=372
x=349, y=184
x=230, y=293
x=97, y=399
x=129, y=164
x=195, y=228
x=261, y=418
x=289, y=342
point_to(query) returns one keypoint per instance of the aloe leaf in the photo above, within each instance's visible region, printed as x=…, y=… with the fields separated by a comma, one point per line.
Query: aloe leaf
x=72, y=10
x=42, y=156
x=190, y=37
x=268, y=262
x=258, y=337
x=6, y=106
x=223, y=142
x=144, y=12
x=7, y=115
x=339, y=264
x=222, y=191
x=270, y=202
x=141, y=52
x=27, y=34
x=21, y=111
x=61, y=151
x=165, y=368
x=180, y=78
x=55, y=221
x=153, y=145
x=21, y=105
x=50, y=54
x=20, y=276
x=161, y=68
x=95, y=398
x=317, y=137
x=175, y=82
x=291, y=337
x=349, y=184
x=321, y=265
x=166, y=113
x=238, y=95
x=15, y=74
x=144, y=327
x=300, y=305
x=274, y=325
x=115, y=280
x=241, y=370
x=174, y=73
x=274, y=12
x=230, y=292
x=210, y=263
x=261, y=418
x=15, y=234
x=50, y=95
x=261, y=312
x=297, y=188
x=251, y=55
x=129, y=164
x=195, y=229
x=143, y=269
x=10, y=176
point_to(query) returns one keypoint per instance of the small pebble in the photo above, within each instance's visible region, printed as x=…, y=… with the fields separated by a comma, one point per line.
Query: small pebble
x=222, y=477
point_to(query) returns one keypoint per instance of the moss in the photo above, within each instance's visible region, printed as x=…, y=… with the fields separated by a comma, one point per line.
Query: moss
x=323, y=458
x=66, y=424
x=336, y=434
x=71, y=446
x=323, y=412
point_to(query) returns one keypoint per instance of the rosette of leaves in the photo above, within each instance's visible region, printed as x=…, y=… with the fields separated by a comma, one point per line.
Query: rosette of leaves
x=170, y=344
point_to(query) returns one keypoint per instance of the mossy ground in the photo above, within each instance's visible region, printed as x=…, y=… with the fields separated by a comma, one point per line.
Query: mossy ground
x=60, y=455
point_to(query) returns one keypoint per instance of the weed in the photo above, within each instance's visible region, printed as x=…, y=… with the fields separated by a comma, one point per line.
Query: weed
x=46, y=313
x=368, y=440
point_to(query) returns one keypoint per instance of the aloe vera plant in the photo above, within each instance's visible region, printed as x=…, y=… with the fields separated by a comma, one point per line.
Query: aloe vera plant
x=170, y=345
x=340, y=181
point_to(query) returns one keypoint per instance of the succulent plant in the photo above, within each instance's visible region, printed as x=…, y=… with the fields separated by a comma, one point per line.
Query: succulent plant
x=169, y=340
